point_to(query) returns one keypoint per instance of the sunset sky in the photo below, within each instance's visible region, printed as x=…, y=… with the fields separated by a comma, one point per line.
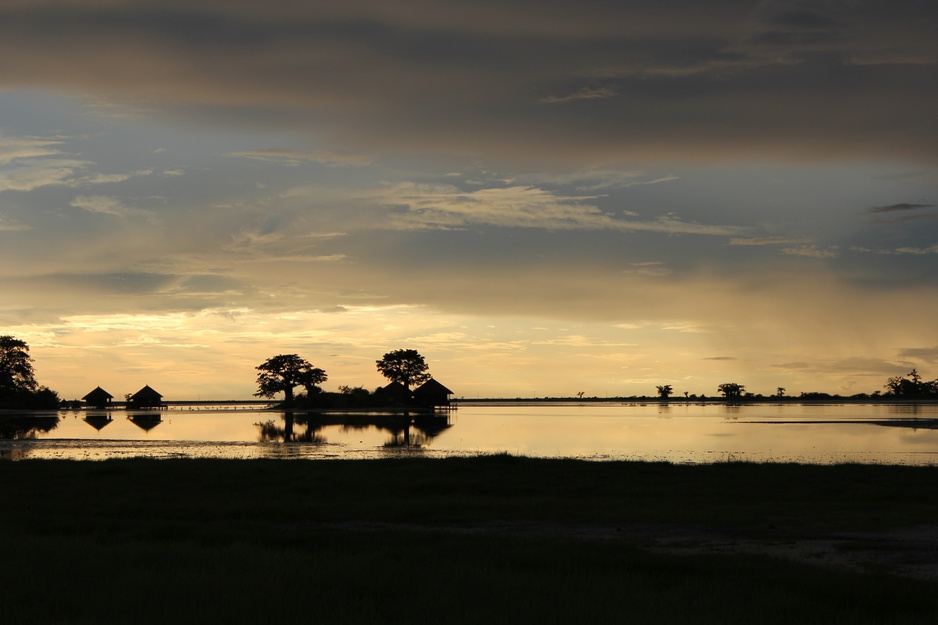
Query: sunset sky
x=542, y=198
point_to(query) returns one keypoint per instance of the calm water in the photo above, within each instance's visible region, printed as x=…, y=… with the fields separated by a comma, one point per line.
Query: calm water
x=892, y=434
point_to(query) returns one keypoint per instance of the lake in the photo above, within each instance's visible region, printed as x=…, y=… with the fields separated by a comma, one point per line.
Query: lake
x=880, y=433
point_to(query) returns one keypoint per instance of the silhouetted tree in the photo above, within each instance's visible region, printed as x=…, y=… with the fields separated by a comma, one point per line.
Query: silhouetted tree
x=283, y=373
x=731, y=390
x=405, y=366
x=911, y=386
x=18, y=386
x=665, y=391
x=780, y=391
x=16, y=365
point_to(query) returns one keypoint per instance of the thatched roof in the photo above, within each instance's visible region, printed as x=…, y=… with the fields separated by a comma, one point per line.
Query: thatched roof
x=146, y=393
x=98, y=395
x=394, y=388
x=432, y=387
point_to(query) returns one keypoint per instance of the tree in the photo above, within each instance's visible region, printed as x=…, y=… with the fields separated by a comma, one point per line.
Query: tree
x=16, y=365
x=665, y=391
x=405, y=366
x=911, y=386
x=731, y=390
x=283, y=373
x=18, y=386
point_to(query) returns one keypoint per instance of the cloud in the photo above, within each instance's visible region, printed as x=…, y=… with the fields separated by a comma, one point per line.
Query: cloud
x=434, y=206
x=766, y=241
x=900, y=207
x=903, y=212
x=918, y=251
x=9, y=226
x=899, y=251
x=105, y=205
x=113, y=178
x=335, y=158
x=22, y=148
x=593, y=180
x=586, y=93
x=928, y=354
x=811, y=251
x=573, y=83
x=31, y=174
x=651, y=269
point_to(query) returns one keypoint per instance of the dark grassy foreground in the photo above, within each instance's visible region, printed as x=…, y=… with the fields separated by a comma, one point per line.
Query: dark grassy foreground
x=497, y=539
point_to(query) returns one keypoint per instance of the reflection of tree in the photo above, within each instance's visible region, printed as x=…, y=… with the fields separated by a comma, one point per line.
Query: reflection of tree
x=426, y=426
x=272, y=432
x=406, y=430
x=22, y=427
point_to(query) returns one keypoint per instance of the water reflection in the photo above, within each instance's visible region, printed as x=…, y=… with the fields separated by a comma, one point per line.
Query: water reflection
x=406, y=430
x=784, y=432
x=22, y=427
x=98, y=420
x=146, y=421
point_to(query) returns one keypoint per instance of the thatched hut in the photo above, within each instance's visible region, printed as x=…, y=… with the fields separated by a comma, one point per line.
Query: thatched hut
x=98, y=398
x=432, y=394
x=146, y=398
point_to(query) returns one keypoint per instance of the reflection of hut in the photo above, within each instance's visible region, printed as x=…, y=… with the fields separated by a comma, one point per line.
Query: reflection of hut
x=146, y=421
x=98, y=421
x=98, y=398
x=146, y=398
x=432, y=394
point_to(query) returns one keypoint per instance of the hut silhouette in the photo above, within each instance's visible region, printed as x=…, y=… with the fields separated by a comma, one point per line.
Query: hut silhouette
x=432, y=394
x=98, y=398
x=146, y=398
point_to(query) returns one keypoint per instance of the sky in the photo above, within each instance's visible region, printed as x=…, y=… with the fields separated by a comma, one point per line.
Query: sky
x=542, y=198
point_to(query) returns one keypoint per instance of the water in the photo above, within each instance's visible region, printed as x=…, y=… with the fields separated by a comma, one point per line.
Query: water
x=680, y=433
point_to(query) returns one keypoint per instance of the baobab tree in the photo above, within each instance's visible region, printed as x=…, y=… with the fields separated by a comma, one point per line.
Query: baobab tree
x=283, y=373
x=731, y=390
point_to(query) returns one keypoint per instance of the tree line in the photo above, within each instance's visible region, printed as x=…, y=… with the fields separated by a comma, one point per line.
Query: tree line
x=909, y=386
x=284, y=373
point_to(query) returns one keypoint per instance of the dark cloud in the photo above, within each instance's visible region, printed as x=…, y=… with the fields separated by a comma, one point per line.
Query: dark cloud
x=928, y=354
x=721, y=358
x=575, y=81
x=899, y=207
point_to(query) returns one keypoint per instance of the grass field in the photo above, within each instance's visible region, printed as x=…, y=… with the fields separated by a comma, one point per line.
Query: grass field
x=498, y=539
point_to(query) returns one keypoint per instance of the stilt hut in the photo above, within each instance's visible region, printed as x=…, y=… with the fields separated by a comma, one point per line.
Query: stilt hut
x=146, y=398
x=432, y=394
x=98, y=398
